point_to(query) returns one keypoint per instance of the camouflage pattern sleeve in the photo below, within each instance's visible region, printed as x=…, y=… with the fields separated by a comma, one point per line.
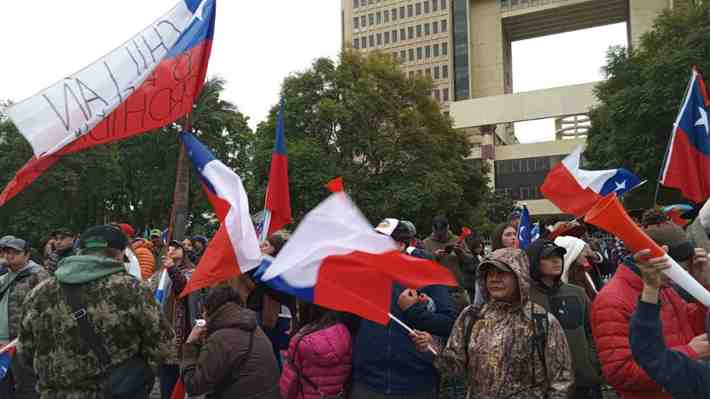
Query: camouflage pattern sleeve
x=451, y=360
x=27, y=343
x=559, y=362
x=157, y=334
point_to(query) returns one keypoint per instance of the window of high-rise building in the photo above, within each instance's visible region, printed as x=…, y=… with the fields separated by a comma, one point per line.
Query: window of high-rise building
x=387, y=37
x=434, y=5
x=372, y=40
x=356, y=3
x=436, y=50
x=427, y=29
x=418, y=8
x=403, y=55
x=419, y=53
x=363, y=42
x=363, y=3
x=370, y=19
x=363, y=21
x=445, y=94
x=394, y=36
x=401, y=12
x=459, y=68
x=410, y=11
x=437, y=94
x=356, y=42
x=386, y=15
x=394, y=14
x=443, y=7
x=444, y=48
x=419, y=31
x=426, y=7
x=445, y=71
x=437, y=72
x=443, y=25
x=379, y=39
x=411, y=54
x=427, y=52
x=435, y=27
x=427, y=72
x=410, y=32
x=402, y=34
x=411, y=74
x=378, y=17
x=356, y=23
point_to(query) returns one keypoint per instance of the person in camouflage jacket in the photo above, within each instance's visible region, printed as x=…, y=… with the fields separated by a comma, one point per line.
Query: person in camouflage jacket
x=501, y=345
x=22, y=277
x=120, y=309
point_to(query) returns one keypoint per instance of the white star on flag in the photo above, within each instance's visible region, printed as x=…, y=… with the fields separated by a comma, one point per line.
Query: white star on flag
x=703, y=120
x=620, y=186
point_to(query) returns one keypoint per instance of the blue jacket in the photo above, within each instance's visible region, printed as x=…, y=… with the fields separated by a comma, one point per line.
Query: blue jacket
x=384, y=357
x=680, y=376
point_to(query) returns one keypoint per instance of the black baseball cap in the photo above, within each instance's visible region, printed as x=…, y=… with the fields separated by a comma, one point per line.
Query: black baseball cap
x=103, y=236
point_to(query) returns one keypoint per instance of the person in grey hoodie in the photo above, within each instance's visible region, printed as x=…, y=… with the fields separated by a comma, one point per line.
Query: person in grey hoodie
x=570, y=305
x=22, y=276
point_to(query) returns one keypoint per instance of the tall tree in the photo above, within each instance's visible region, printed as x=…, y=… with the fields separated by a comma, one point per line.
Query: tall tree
x=642, y=94
x=363, y=119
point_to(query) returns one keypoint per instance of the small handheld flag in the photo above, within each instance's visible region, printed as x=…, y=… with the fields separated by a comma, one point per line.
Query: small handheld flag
x=277, y=210
x=525, y=229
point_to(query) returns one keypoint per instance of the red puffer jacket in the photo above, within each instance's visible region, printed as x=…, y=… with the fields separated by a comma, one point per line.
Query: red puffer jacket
x=611, y=314
x=324, y=357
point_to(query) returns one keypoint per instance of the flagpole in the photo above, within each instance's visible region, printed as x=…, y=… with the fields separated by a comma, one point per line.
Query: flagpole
x=178, y=215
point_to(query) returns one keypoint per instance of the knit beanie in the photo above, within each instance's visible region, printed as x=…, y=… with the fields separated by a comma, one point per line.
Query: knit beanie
x=574, y=247
x=671, y=235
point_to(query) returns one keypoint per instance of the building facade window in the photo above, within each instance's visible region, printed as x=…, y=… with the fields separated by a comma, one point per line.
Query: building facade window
x=379, y=39
x=411, y=54
x=386, y=16
x=356, y=23
x=419, y=53
x=437, y=72
x=419, y=31
x=363, y=3
x=445, y=94
x=437, y=94
x=402, y=55
x=387, y=37
x=363, y=42
x=444, y=48
x=434, y=5
x=445, y=71
x=418, y=8
x=436, y=50
x=443, y=4
x=444, y=26
x=410, y=11
x=427, y=29
x=411, y=74
x=401, y=12
x=356, y=42
x=378, y=17
x=394, y=14
x=460, y=49
x=372, y=40
x=427, y=72
x=356, y=3
x=410, y=32
x=370, y=19
x=402, y=34
x=435, y=27
x=426, y=7
x=394, y=36
x=427, y=51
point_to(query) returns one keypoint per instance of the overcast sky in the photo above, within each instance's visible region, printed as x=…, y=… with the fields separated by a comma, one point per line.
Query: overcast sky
x=257, y=44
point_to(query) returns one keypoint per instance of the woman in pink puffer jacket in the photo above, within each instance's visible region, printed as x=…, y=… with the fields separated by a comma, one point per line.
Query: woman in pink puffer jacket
x=319, y=359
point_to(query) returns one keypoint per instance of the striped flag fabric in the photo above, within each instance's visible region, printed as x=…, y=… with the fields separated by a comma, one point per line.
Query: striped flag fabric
x=149, y=81
x=277, y=210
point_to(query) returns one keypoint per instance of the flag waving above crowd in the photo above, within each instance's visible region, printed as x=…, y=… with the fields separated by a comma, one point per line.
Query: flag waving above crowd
x=149, y=81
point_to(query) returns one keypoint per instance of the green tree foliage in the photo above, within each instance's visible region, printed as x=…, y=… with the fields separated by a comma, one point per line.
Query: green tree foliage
x=362, y=119
x=642, y=95
x=131, y=181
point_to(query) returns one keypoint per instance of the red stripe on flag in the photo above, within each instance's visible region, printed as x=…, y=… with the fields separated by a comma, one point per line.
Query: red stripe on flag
x=218, y=263
x=165, y=96
x=336, y=185
x=278, y=198
x=179, y=390
x=361, y=283
x=687, y=169
x=562, y=189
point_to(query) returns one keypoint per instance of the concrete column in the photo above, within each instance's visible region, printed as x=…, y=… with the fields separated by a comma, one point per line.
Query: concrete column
x=642, y=13
x=487, y=63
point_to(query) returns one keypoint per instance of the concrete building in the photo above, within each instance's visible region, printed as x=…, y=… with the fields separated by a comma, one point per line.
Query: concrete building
x=485, y=105
x=417, y=33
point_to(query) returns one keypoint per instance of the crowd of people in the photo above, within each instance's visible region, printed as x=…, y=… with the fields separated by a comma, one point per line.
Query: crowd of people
x=573, y=315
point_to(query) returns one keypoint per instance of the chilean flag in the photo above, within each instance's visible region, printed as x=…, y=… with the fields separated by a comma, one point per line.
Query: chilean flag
x=277, y=211
x=687, y=163
x=235, y=247
x=337, y=260
x=149, y=81
x=576, y=190
x=525, y=229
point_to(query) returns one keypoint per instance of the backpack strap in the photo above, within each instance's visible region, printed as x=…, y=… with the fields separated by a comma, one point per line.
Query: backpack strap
x=541, y=323
x=87, y=332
